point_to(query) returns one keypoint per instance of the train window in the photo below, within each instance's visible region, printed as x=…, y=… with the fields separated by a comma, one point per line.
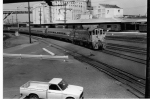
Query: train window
x=95, y=32
x=100, y=32
x=103, y=32
x=90, y=32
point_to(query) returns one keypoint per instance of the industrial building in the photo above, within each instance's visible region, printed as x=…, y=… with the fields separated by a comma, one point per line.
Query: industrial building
x=72, y=8
x=59, y=11
x=41, y=13
x=65, y=11
x=107, y=11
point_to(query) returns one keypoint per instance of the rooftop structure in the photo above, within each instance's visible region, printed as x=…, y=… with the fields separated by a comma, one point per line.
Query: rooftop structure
x=109, y=6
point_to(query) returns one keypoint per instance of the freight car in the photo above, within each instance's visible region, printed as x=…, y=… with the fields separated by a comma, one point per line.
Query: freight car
x=91, y=37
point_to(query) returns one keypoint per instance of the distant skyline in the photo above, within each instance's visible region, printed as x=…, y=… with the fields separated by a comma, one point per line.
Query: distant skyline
x=131, y=7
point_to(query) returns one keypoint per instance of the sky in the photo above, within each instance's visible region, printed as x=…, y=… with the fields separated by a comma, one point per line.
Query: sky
x=130, y=7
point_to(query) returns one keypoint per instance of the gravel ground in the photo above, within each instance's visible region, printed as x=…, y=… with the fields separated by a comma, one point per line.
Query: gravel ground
x=120, y=63
x=96, y=84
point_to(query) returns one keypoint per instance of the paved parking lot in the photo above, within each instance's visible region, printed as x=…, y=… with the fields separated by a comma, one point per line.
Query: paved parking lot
x=96, y=84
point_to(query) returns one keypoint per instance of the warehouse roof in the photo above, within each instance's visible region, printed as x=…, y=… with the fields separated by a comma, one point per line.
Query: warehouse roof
x=109, y=6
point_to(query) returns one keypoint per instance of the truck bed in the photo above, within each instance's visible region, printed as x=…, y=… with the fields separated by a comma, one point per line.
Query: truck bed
x=36, y=85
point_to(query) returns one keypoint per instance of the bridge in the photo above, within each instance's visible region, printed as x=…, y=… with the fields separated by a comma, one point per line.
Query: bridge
x=16, y=12
x=20, y=1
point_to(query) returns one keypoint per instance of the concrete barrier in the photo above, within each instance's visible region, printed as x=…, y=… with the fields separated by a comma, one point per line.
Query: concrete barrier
x=35, y=56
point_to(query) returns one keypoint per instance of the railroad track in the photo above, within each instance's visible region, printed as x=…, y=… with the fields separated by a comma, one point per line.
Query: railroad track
x=135, y=59
x=135, y=84
x=125, y=48
x=134, y=40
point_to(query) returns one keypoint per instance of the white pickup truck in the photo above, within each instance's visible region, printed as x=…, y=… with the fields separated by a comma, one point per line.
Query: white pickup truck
x=56, y=88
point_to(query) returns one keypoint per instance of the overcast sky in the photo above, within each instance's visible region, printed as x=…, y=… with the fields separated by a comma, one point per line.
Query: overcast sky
x=132, y=7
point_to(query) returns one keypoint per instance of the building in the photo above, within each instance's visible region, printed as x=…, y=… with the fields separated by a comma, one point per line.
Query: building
x=72, y=8
x=41, y=13
x=87, y=15
x=107, y=11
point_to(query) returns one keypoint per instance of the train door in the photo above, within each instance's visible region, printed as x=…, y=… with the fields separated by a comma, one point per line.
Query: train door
x=101, y=35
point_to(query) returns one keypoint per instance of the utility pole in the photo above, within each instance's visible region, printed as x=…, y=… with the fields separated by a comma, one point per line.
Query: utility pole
x=16, y=15
x=40, y=16
x=29, y=22
x=17, y=18
x=65, y=14
x=50, y=14
x=147, y=87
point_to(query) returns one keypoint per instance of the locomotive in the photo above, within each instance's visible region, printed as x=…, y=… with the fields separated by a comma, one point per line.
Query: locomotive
x=90, y=37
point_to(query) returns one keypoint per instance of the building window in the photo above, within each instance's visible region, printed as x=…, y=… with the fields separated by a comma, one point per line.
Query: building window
x=99, y=10
x=103, y=14
x=107, y=11
x=118, y=10
x=103, y=10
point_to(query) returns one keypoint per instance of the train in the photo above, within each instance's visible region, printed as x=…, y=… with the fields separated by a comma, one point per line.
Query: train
x=92, y=38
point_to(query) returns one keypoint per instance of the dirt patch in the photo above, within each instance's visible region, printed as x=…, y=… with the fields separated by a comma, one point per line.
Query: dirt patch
x=6, y=41
x=10, y=40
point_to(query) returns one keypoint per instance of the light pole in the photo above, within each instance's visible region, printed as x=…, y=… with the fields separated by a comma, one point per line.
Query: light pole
x=17, y=16
x=29, y=22
x=65, y=14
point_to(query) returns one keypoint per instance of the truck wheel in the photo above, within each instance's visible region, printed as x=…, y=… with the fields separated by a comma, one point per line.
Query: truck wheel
x=70, y=98
x=33, y=96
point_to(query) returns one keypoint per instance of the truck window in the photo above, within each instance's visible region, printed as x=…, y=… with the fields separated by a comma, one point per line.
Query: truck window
x=63, y=85
x=53, y=87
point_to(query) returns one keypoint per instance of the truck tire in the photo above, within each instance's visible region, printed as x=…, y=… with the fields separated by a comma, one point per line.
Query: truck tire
x=70, y=98
x=33, y=96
